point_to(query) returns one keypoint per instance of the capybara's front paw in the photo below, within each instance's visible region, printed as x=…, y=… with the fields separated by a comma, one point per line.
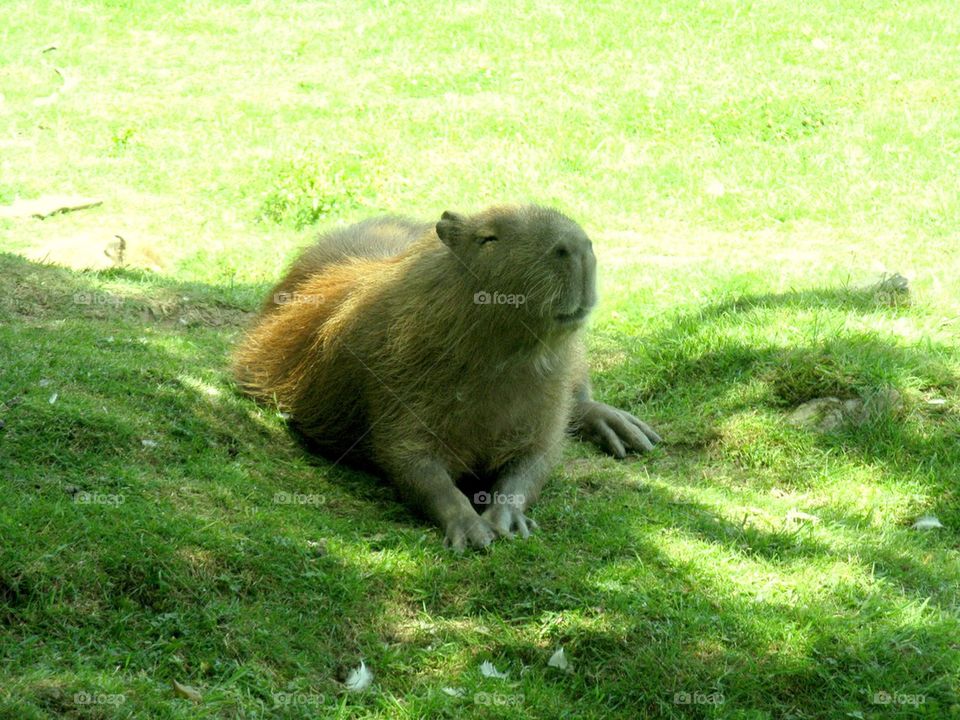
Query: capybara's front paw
x=468, y=531
x=616, y=431
x=508, y=519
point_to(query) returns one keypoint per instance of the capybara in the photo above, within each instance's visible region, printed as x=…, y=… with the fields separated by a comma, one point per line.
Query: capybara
x=445, y=355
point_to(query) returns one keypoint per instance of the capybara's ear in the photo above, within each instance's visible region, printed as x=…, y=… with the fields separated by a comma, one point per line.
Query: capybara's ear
x=450, y=228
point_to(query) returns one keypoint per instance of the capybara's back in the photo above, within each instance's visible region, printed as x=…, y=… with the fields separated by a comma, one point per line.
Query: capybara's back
x=436, y=353
x=377, y=327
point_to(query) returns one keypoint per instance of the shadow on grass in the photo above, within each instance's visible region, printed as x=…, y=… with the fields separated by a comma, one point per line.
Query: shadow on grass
x=652, y=627
x=200, y=576
x=141, y=524
x=697, y=370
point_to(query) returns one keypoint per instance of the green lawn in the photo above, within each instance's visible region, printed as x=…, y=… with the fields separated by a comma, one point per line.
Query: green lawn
x=744, y=169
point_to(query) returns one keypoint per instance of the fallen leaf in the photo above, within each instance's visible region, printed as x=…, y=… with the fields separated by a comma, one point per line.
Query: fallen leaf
x=927, y=522
x=359, y=678
x=559, y=660
x=319, y=547
x=53, y=398
x=454, y=692
x=148, y=443
x=186, y=692
x=70, y=81
x=487, y=669
x=715, y=188
x=799, y=515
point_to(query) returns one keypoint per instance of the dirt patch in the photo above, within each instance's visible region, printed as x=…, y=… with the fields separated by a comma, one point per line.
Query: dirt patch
x=96, y=250
x=191, y=313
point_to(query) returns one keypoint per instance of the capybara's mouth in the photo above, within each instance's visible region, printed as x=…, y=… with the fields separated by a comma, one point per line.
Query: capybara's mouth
x=574, y=317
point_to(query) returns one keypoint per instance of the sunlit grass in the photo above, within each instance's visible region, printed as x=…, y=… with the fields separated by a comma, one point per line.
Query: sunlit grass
x=746, y=173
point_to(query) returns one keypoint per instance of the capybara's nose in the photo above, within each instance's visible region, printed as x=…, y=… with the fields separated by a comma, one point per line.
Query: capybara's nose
x=589, y=275
x=577, y=254
x=573, y=248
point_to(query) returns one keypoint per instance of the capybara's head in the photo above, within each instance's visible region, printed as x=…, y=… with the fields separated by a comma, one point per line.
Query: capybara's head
x=529, y=259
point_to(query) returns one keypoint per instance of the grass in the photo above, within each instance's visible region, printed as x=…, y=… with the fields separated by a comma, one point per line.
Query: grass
x=744, y=170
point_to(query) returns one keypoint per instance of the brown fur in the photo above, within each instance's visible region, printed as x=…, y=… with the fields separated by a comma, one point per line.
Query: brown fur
x=399, y=340
x=375, y=345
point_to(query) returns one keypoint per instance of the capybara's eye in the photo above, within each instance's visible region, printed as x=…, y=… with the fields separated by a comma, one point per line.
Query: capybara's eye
x=484, y=239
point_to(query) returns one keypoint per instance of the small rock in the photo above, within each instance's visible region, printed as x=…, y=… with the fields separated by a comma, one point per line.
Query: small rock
x=823, y=414
x=890, y=288
x=884, y=401
x=854, y=411
x=893, y=283
x=829, y=413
